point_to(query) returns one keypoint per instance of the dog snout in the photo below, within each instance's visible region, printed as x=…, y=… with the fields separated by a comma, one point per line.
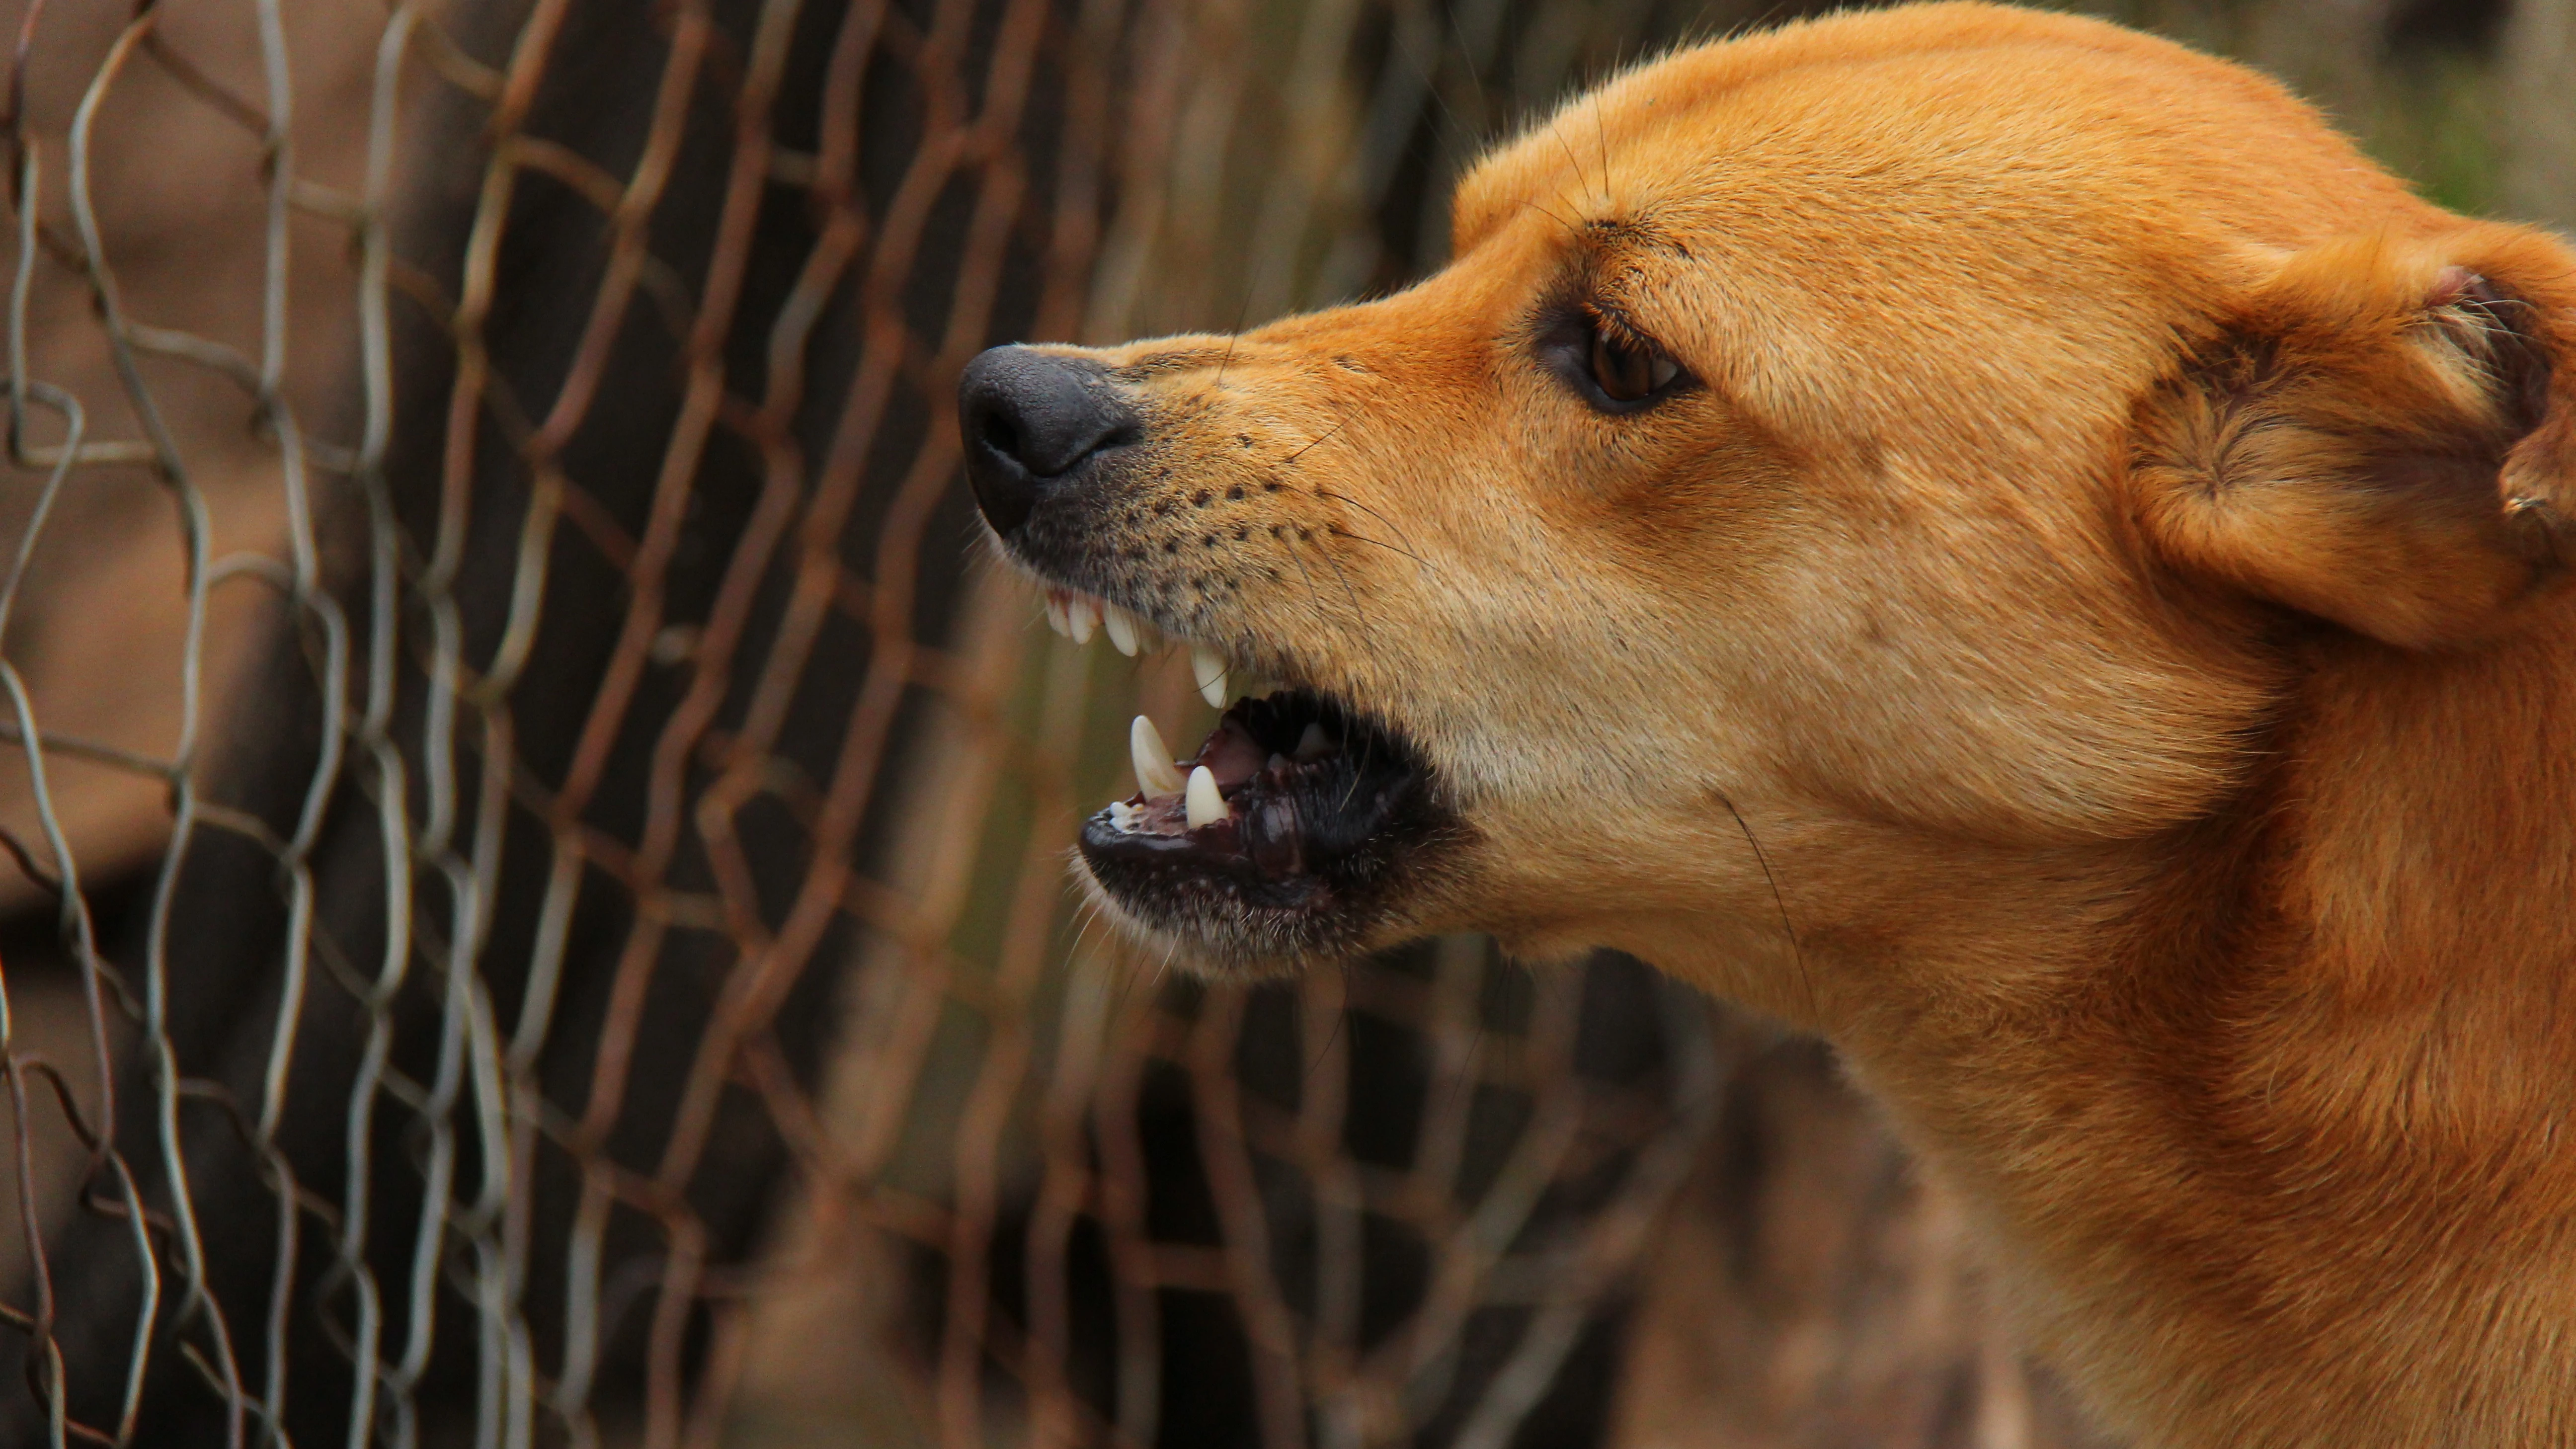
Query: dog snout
x=1031, y=420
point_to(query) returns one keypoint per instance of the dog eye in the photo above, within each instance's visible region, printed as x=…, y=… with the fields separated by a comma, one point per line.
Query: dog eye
x=1625, y=371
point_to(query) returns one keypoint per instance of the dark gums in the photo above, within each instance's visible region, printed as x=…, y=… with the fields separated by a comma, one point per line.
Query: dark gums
x=1301, y=839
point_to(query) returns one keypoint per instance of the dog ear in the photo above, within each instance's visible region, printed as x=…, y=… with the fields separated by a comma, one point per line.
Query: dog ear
x=2382, y=433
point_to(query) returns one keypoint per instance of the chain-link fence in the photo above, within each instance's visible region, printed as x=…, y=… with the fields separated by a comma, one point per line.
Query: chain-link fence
x=546, y=849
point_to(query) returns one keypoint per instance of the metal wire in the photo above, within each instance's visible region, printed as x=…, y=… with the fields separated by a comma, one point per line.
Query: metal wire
x=621, y=889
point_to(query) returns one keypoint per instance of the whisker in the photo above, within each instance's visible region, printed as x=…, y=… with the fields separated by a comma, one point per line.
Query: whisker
x=1242, y=315
x=1359, y=615
x=1467, y=1063
x=1558, y=136
x=1323, y=492
x=1601, y=131
x=1796, y=952
x=1340, y=532
x=1430, y=72
x=1360, y=618
x=1123, y=982
x=1086, y=916
x=1339, y=1017
x=1312, y=442
x=1314, y=596
x=1128, y=981
x=1571, y=229
x=1368, y=757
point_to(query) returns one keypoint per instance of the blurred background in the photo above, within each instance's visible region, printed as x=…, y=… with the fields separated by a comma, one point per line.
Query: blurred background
x=536, y=910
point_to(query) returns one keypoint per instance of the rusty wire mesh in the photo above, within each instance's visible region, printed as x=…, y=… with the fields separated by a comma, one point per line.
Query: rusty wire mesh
x=606, y=966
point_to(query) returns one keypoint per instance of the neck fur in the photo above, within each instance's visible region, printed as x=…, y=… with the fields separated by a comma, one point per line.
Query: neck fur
x=2282, y=1145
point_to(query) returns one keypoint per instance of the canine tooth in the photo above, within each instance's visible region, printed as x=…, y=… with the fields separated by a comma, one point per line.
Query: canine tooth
x=1202, y=804
x=1155, y=772
x=1208, y=668
x=1120, y=626
x=1313, y=744
x=1085, y=612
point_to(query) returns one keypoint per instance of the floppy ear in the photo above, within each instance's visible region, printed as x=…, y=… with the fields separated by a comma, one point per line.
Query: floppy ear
x=2382, y=433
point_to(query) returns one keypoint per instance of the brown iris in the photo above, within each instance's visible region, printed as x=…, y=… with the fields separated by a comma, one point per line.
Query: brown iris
x=1625, y=368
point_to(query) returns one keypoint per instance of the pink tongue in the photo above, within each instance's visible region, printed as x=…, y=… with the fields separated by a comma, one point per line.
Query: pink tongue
x=1232, y=755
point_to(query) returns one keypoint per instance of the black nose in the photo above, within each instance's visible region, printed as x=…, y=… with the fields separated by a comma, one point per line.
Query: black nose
x=1030, y=419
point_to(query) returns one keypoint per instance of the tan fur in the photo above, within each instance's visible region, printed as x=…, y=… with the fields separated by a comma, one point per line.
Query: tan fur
x=2111, y=567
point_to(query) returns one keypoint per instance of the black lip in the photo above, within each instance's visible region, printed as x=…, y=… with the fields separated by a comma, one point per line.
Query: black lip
x=1310, y=858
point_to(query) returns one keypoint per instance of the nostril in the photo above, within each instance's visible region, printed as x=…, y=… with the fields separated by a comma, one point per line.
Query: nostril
x=1029, y=421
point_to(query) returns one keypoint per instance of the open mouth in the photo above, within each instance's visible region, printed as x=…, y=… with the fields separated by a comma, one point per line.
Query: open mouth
x=1289, y=833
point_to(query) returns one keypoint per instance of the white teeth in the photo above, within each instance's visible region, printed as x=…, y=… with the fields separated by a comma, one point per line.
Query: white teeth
x=1123, y=815
x=1202, y=804
x=1078, y=616
x=1120, y=626
x=1208, y=668
x=1155, y=772
x=1313, y=744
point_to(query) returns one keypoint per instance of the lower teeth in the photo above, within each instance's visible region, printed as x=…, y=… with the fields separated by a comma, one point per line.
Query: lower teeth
x=1176, y=797
x=1201, y=802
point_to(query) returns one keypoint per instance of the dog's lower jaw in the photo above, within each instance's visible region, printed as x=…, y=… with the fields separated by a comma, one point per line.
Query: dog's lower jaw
x=1209, y=939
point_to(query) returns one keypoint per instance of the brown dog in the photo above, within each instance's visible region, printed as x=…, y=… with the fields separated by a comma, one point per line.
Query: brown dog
x=1988, y=536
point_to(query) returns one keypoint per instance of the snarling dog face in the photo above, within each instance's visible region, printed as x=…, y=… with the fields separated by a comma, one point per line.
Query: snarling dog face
x=1845, y=475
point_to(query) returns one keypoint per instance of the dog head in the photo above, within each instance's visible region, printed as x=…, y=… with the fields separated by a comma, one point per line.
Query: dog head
x=1837, y=462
